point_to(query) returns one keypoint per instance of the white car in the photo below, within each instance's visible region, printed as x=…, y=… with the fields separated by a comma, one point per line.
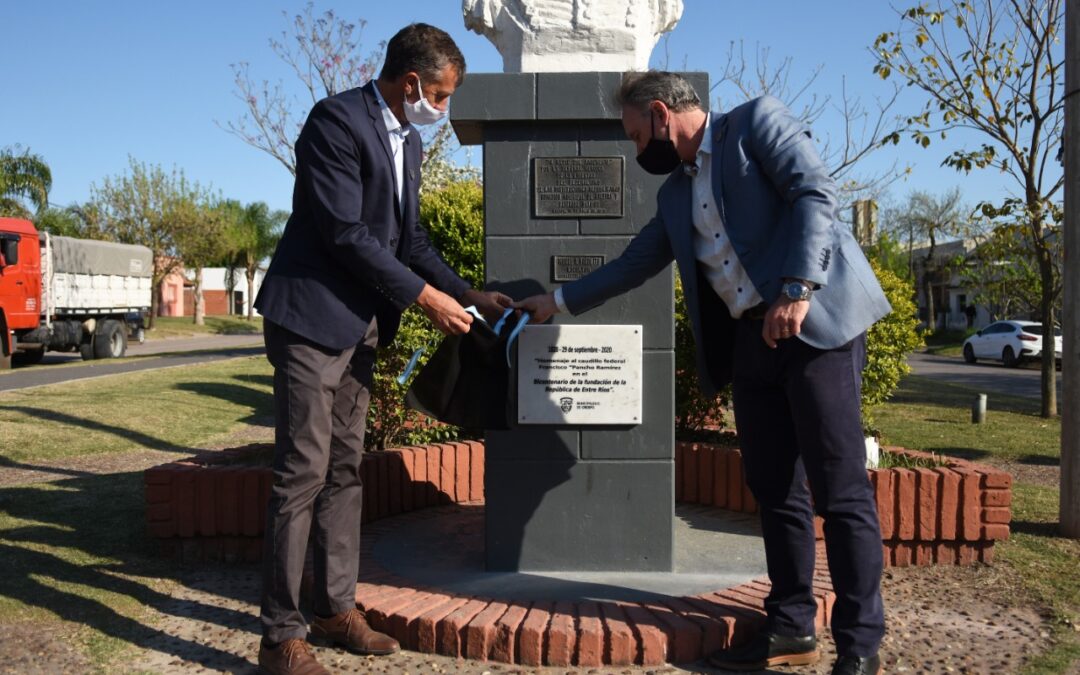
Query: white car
x=1010, y=342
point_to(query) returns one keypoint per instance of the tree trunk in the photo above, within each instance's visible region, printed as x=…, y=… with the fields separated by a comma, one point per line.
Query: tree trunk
x=1049, y=359
x=250, y=294
x=200, y=311
x=928, y=294
x=1069, y=507
x=155, y=302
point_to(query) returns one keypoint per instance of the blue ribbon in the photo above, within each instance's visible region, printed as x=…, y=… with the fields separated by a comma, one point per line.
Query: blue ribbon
x=412, y=364
x=502, y=320
x=513, y=335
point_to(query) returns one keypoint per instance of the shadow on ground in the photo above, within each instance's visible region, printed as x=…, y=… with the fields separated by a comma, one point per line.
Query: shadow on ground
x=77, y=549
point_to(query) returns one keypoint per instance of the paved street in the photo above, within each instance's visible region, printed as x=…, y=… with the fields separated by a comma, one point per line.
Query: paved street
x=988, y=377
x=64, y=367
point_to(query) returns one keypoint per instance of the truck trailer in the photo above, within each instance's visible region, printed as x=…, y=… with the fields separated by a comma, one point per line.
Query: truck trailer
x=67, y=294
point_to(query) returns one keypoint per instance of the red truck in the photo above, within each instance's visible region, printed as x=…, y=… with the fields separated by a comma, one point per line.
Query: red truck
x=63, y=294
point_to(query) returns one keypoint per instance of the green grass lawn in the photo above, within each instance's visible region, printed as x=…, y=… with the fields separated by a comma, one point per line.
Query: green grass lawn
x=936, y=417
x=171, y=409
x=75, y=551
x=947, y=342
x=184, y=326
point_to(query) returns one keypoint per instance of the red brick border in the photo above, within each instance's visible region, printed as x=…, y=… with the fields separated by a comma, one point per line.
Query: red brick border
x=211, y=507
x=583, y=634
x=947, y=515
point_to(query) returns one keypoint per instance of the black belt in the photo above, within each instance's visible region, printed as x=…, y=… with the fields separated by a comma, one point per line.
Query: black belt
x=756, y=313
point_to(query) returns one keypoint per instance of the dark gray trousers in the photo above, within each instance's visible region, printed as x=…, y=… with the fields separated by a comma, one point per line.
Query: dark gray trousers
x=321, y=400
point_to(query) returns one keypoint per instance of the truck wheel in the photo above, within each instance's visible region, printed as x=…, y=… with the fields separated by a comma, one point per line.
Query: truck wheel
x=5, y=360
x=86, y=349
x=111, y=341
x=28, y=357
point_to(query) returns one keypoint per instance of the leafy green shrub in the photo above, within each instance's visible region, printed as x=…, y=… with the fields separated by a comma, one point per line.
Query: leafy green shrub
x=697, y=416
x=454, y=219
x=888, y=343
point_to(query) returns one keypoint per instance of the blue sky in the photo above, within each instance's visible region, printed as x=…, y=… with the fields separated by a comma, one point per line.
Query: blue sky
x=87, y=84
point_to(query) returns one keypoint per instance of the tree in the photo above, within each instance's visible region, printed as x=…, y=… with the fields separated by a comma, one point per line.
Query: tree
x=1003, y=271
x=888, y=253
x=146, y=206
x=63, y=222
x=866, y=129
x=994, y=70
x=257, y=230
x=927, y=218
x=24, y=177
x=322, y=51
x=203, y=234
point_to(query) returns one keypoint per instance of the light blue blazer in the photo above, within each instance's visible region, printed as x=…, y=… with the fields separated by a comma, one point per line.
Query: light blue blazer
x=778, y=205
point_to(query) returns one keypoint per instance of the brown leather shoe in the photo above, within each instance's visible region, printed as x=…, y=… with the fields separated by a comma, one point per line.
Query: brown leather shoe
x=291, y=657
x=351, y=630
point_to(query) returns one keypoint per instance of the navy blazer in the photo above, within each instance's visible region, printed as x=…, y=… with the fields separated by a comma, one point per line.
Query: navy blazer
x=778, y=206
x=350, y=251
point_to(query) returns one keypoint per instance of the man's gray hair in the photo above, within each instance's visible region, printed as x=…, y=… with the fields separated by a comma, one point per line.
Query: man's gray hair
x=672, y=89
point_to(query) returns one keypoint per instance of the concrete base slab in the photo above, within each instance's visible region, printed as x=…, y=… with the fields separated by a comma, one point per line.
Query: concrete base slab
x=714, y=549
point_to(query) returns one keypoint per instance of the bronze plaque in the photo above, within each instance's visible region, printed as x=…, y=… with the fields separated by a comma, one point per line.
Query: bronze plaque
x=578, y=187
x=571, y=267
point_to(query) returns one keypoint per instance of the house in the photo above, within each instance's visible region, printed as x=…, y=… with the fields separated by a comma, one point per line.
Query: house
x=217, y=284
x=953, y=299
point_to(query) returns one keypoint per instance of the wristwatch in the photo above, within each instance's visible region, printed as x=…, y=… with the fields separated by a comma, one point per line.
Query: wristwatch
x=797, y=290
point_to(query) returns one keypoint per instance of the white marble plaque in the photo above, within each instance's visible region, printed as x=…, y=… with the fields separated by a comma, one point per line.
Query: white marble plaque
x=579, y=375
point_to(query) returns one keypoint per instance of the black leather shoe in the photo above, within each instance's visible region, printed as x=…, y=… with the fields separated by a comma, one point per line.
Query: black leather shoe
x=857, y=665
x=766, y=650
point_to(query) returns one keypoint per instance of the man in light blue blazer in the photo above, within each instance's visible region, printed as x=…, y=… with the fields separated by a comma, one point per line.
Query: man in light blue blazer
x=780, y=297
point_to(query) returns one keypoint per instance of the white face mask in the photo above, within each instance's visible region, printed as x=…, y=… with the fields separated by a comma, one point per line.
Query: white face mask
x=422, y=112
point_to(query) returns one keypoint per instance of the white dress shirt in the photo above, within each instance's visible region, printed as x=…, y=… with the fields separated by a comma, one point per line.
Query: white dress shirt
x=712, y=247
x=397, y=141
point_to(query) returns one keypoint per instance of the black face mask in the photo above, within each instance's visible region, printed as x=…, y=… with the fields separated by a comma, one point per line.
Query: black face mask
x=659, y=156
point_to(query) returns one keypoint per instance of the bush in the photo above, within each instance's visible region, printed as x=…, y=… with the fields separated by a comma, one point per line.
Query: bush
x=454, y=219
x=888, y=344
x=697, y=416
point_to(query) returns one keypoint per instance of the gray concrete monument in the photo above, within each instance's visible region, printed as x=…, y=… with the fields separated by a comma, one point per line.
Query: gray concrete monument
x=585, y=480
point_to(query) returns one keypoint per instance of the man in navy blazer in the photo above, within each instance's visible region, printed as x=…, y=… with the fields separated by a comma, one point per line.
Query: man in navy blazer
x=353, y=256
x=780, y=297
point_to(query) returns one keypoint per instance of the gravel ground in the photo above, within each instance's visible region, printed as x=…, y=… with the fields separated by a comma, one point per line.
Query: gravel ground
x=941, y=620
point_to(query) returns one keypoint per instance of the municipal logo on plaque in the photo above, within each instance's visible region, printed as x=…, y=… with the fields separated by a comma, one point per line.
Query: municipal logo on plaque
x=579, y=375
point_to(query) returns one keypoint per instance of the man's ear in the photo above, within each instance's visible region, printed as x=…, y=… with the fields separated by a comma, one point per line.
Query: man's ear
x=408, y=83
x=660, y=111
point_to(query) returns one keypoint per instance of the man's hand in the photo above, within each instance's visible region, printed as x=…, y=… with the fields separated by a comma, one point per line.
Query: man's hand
x=540, y=307
x=491, y=304
x=784, y=319
x=443, y=311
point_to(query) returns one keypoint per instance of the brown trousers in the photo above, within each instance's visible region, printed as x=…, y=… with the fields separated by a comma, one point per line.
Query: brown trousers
x=321, y=400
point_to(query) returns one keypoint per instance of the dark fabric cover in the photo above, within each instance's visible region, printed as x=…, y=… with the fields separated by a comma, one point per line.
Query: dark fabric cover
x=466, y=381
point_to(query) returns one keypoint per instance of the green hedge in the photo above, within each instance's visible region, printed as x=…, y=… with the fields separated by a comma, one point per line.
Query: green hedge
x=454, y=219
x=888, y=344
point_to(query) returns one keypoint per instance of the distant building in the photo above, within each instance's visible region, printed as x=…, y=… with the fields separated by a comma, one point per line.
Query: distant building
x=171, y=293
x=216, y=293
x=954, y=300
